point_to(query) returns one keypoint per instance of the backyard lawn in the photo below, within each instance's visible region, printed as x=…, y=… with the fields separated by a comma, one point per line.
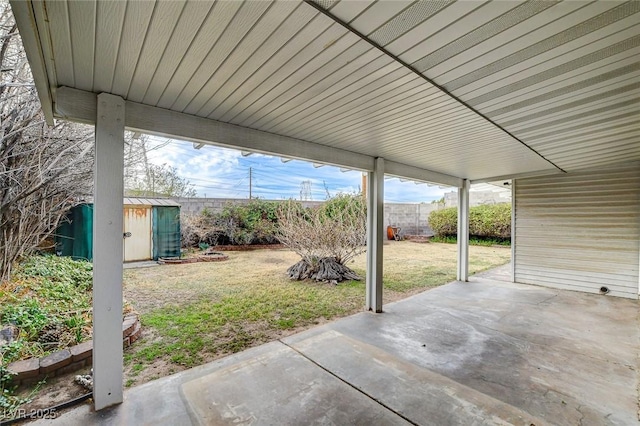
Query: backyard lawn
x=195, y=313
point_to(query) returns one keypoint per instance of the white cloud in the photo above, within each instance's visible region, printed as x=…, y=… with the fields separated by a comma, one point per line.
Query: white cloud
x=222, y=172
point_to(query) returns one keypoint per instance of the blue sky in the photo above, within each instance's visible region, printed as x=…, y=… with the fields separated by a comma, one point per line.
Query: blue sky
x=224, y=173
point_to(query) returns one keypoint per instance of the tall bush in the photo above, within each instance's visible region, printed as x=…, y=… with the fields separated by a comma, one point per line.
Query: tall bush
x=487, y=221
x=444, y=222
x=325, y=237
x=251, y=223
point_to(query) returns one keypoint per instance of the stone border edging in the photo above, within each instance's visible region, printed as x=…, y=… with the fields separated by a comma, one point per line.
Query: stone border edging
x=64, y=361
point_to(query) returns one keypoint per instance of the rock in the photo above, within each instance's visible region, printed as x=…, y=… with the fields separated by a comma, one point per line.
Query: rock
x=85, y=381
x=8, y=334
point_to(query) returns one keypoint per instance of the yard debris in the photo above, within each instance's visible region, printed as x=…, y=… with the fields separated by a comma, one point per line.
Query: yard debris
x=85, y=380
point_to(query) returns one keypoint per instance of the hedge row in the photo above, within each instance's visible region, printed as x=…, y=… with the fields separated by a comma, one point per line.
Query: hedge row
x=491, y=220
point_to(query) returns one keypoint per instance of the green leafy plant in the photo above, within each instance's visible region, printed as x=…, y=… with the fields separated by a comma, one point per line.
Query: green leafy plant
x=27, y=315
x=49, y=301
x=55, y=269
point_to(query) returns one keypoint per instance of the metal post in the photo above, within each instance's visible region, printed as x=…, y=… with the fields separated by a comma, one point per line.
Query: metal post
x=463, y=231
x=375, y=232
x=107, y=251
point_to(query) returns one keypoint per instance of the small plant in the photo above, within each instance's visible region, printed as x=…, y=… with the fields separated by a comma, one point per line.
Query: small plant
x=8, y=401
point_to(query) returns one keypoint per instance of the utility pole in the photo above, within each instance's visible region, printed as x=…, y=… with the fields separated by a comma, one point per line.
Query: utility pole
x=250, y=176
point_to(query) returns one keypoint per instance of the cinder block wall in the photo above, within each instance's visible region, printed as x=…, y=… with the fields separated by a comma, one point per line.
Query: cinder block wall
x=411, y=218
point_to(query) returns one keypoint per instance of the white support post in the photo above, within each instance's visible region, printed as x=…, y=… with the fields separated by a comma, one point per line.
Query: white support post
x=463, y=231
x=513, y=230
x=107, y=251
x=375, y=233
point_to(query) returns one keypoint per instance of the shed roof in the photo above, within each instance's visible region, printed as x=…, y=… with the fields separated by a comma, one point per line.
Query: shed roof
x=137, y=201
x=442, y=90
x=143, y=201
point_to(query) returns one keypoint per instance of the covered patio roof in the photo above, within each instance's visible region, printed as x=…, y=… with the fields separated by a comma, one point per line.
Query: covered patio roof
x=437, y=91
x=442, y=90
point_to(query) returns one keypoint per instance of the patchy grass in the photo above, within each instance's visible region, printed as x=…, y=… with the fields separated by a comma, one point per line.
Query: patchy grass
x=198, y=312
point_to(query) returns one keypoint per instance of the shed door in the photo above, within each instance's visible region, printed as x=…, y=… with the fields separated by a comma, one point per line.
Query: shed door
x=137, y=223
x=579, y=231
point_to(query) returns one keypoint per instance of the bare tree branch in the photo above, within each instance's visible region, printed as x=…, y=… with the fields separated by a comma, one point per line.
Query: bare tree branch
x=44, y=170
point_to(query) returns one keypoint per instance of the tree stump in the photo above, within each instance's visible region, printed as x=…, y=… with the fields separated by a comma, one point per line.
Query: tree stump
x=327, y=269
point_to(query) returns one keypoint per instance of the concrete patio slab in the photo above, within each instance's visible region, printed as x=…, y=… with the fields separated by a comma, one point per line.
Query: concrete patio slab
x=281, y=387
x=480, y=353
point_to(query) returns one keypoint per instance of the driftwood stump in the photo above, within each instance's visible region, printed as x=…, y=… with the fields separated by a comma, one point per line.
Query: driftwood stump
x=326, y=269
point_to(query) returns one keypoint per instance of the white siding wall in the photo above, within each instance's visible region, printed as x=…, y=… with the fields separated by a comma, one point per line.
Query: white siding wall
x=579, y=231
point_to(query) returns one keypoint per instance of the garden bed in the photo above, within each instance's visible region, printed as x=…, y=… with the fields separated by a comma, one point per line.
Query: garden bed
x=33, y=370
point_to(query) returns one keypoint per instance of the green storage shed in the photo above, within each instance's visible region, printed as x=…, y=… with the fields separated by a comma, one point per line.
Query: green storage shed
x=151, y=230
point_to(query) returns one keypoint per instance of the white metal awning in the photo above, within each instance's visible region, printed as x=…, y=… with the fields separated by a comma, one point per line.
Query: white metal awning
x=442, y=90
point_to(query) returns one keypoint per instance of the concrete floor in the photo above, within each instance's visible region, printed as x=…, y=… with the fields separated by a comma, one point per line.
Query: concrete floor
x=481, y=353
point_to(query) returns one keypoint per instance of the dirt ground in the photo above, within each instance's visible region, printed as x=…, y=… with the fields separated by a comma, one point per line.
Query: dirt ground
x=166, y=284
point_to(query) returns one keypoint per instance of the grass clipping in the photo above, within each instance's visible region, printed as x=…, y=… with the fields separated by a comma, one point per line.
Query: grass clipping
x=325, y=237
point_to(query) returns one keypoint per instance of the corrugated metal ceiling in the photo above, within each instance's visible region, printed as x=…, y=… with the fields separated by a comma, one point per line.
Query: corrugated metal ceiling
x=470, y=89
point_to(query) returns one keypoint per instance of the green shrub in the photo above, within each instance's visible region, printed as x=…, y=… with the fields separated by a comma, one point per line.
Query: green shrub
x=444, y=222
x=490, y=220
x=486, y=221
x=251, y=223
x=254, y=222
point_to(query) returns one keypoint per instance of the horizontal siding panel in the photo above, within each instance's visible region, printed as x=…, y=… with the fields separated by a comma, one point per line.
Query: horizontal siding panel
x=579, y=231
x=579, y=284
x=577, y=248
x=532, y=273
x=592, y=290
x=584, y=266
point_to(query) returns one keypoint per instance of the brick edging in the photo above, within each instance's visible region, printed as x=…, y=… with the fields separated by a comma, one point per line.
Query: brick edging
x=70, y=359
